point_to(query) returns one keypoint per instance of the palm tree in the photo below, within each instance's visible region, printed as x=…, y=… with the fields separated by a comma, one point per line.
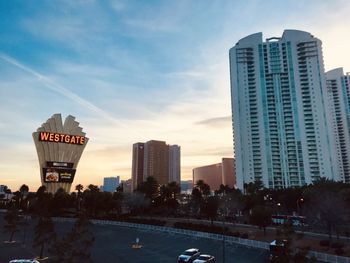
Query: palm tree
x=24, y=189
x=79, y=188
x=203, y=187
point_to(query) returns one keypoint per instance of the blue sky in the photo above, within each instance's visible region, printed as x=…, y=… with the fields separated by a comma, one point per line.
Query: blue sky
x=133, y=71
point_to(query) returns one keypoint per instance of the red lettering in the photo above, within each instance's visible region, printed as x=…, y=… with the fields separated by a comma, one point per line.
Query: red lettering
x=44, y=136
x=64, y=138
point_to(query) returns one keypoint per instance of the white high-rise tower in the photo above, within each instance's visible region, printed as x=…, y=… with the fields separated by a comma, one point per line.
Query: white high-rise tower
x=280, y=118
x=338, y=91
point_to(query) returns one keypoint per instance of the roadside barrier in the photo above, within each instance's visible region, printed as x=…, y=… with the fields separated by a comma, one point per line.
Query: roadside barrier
x=228, y=239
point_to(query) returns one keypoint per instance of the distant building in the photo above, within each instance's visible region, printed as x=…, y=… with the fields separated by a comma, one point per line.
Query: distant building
x=174, y=163
x=156, y=159
x=138, y=152
x=110, y=184
x=229, y=172
x=186, y=186
x=127, y=186
x=3, y=188
x=216, y=174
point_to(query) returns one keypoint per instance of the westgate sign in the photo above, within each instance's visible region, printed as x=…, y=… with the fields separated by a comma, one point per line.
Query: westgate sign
x=63, y=138
x=59, y=144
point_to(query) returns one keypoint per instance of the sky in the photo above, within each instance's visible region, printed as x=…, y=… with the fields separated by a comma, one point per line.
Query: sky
x=133, y=71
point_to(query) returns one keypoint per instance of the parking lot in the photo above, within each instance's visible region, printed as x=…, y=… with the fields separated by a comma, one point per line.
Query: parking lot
x=114, y=244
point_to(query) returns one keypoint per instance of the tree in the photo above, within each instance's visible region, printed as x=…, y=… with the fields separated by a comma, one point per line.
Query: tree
x=150, y=188
x=231, y=202
x=42, y=206
x=44, y=233
x=93, y=188
x=24, y=189
x=210, y=208
x=168, y=195
x=136, y=202
x=253, y=188
x=203, y=187
x=196, y=200
x=61, y=200
x=79, y=188
x=326, y=206
x=261, y=216
x=12, y=221
x=76, y=245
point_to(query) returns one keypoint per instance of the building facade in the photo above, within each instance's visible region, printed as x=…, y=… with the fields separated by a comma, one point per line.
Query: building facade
x=338, y=92
x=216, y=174
x=138, y=150
x=229, y=172
x=281, y=125
x=174, y=163
x=110, y=184
x=156, y=159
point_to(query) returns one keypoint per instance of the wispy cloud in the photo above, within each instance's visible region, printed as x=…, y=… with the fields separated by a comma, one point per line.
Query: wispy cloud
x=50, y=84
x=218, y=122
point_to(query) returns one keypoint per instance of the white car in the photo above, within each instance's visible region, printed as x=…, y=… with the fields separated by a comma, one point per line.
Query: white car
x=189, y=255
x=24, y=261
x=204, y=259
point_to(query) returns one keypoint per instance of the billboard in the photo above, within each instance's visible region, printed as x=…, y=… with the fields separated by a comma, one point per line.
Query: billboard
x=58, y=172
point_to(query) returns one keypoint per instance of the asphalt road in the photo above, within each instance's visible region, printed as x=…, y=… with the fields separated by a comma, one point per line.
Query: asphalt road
x=113, y=244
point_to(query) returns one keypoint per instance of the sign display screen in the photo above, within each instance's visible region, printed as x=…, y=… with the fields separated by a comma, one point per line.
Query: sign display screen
x=58, y=172
x=63, y=138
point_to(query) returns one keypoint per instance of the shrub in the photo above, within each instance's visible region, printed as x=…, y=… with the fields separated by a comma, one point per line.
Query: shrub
x=300, y=236
x=339, y=251
x=236, y=234
x=337, y=245
x=324, y=243
x=244, y=235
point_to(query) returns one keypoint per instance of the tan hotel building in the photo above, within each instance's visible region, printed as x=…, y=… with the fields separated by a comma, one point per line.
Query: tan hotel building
x=216, y=174
x=156, y=159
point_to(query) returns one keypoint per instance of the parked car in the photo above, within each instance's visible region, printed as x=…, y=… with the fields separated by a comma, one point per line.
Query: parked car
x=189, y=255
x=204, y=259
x=24, y=261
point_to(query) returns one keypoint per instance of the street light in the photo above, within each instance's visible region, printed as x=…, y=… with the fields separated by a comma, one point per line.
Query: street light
x=298, y=206
x=278, y=208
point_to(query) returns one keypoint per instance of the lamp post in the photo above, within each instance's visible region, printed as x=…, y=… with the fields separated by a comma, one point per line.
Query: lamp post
x=278, y=208
x=224, y=213
x=298, y=206
x=223, y=239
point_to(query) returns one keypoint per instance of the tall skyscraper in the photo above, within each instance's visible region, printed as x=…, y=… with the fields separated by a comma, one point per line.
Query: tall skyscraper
x=281, y=125
x=174, y=163
x=156, y=159
x=338, y=92
x=138, y=151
